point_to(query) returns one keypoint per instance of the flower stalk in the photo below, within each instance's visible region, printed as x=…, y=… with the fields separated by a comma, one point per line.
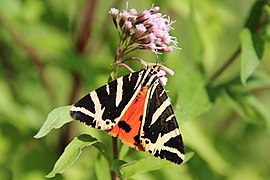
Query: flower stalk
x=147, y=30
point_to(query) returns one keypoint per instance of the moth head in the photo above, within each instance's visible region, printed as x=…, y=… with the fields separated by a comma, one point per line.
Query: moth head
x=161, y=71
x=154, y=69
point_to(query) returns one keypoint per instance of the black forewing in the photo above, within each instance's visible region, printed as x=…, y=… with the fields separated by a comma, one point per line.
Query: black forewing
x=105, y=98
x=164, y=124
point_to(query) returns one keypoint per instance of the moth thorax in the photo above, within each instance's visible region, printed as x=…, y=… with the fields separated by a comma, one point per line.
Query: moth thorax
x=153, y=69
x=142, y=92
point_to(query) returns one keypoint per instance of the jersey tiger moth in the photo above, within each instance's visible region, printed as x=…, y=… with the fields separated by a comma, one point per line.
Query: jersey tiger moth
x=137, y=109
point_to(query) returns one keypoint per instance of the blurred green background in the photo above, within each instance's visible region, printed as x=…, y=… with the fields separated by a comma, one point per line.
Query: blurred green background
x=54, y=52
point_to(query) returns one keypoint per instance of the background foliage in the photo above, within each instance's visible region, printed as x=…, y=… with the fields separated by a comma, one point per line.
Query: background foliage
x=54, y=52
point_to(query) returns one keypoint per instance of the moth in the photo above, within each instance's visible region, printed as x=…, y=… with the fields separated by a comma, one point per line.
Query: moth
x=137, y=109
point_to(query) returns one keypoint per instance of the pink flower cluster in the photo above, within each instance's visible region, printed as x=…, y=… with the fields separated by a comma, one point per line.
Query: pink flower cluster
x=146, y=30
x=162, y=74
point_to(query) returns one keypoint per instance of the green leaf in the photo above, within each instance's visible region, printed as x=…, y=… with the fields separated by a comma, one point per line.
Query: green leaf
x=196, y=43
x=188, y=156
x=257, y=81
x=261, y=109
x=193, y=97
x=249, y=57
x=116, y=165
x=233, y=104
x=103, y=150
x=123, y=151
x=266, y=9
x=240, y=104
x=143, y=165
x=102, y=169
x=198, y=139
x=255, y=14
x=71, y=153
x=56, y=119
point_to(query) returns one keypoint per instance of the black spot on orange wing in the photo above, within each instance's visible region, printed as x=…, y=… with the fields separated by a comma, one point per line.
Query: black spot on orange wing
x=128, y=128
x=137, y=139
x=123, y=125
x=137, y=143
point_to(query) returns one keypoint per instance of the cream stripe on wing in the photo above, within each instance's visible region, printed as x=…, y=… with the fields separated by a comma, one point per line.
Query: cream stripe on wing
x=119, y=91
x=138, y=83
x=170, y=118
x=161, y=140
x=108, y=89
x=82, y=110
x=99, y=111
x=160, y=110
x=153, y=88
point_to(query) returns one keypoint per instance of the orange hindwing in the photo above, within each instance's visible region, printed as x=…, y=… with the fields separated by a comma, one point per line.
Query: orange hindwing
x=128, y=127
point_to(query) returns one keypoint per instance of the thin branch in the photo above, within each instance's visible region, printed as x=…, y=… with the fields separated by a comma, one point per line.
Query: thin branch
x=135, y=59
x=118, y=54
x=115, y=156
x=81, y=44
x=82, y=41
x=127, y=67
x=85, y=27
x=254, y=24
x=31, y=53
x=80, y=47
x=129, y=50
x=226, y=65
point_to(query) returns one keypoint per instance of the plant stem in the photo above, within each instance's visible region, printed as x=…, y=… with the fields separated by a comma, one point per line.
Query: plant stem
x=225, y=66
x=80, y=48
x=85, y=27
x=114, y=139
x=114, y=176
x=254, y=23
x=32, y=54
x=127, y=67
x=115, y=155
x=115, y=148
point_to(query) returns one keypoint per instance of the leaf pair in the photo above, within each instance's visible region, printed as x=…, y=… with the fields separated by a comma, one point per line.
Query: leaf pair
x=74, y=149
x=60, y=116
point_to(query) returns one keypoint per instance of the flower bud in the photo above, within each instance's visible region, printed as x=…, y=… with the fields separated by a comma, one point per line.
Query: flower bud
x=154, y=9
x=167, y=70
x=139, y=31
x=114, y=13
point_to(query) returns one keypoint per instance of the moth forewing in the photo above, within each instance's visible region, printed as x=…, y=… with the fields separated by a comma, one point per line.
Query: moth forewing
x=103, y=107
x=160, y=134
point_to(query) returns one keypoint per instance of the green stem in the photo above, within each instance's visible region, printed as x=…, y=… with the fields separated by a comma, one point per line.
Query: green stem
x=115, y=155
x=118, y=57
x=226, y=65
x=254, y=23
